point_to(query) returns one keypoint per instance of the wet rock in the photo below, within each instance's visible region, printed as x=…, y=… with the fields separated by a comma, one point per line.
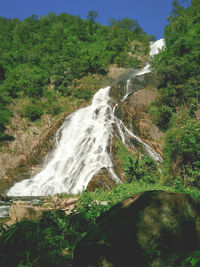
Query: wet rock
x=153, y=228
x=103, y=179
x=134, y=110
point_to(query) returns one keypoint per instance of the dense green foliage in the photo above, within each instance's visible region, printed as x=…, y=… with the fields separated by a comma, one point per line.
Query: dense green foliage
x=51, y=241
x=136, y=167
x=41, y=57
x=176, y=111
x=142, y=169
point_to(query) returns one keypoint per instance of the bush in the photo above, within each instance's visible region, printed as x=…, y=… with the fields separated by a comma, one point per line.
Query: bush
x=4, y=119
x=142, y=169
x=161, y=116
x=83, y=94
x=32, y=111
x=192, y=260
x=182, y=150
x=49, y=242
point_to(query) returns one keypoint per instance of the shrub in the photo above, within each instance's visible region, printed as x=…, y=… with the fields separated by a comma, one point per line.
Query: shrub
x=32, y=111
x=83, y=94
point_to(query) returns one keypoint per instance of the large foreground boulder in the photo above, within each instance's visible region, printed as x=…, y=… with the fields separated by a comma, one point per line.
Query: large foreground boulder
x=154, y=228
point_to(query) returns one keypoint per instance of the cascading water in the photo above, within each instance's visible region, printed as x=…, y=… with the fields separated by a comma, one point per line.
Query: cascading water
x=4, y=210
x=81, y=152
x=127, y=90
x=82, y=147
x=154, y=49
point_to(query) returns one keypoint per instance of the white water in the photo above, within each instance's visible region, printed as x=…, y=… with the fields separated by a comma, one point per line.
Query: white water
x=81, y=152
x=4, y=211
x=154, y=49
x=82, y=149
x=127, y=90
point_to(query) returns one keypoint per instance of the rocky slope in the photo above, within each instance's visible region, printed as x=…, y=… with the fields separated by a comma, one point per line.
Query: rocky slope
x=133, y=111
x=24, y=156
x=18, y=158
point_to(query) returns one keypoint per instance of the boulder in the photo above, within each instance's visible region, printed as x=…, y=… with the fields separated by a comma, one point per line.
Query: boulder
x=20, y=211
x=103, y=179
x=154, y=228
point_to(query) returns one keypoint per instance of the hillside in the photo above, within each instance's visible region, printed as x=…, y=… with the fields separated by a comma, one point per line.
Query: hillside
x=50, y=66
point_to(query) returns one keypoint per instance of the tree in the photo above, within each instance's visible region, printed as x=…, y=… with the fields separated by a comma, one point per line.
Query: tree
x=176, y=11
x=92, y=15
x=128, y=24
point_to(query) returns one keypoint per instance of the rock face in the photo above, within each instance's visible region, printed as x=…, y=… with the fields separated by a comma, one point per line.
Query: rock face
x=30, y=145
x=141, y=99
x=154, y=228
x=137, y=105
x=133, y=111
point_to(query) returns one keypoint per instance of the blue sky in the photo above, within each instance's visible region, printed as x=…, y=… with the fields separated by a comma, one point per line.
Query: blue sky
x=151, y=14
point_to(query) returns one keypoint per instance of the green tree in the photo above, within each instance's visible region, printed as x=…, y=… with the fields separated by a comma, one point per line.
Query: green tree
x=92, y=15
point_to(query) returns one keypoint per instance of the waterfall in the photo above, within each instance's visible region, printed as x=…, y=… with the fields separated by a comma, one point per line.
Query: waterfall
x=4, y=210
x=127, y=90
x=154, y=49
x=82, y=149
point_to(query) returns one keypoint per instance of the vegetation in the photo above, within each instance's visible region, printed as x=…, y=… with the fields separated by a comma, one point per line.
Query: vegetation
x=41, y=59
x=136, y=167
x=51, y=240
x=176, y=111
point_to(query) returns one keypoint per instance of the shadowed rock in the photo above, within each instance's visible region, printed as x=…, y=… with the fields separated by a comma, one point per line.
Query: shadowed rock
x=103, y=179
x=153, y=228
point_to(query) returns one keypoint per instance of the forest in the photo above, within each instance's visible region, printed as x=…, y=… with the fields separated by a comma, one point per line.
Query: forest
x=177, y=110
x=40, y=58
